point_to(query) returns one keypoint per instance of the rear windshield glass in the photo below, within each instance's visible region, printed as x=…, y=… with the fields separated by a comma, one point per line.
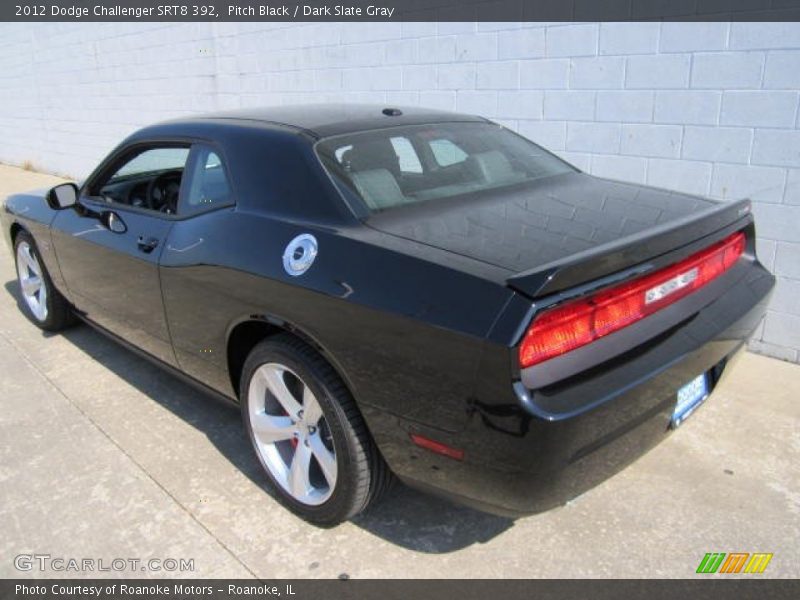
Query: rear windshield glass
x=403, y=165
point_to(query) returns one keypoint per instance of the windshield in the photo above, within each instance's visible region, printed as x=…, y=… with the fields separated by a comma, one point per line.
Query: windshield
x=403, y=165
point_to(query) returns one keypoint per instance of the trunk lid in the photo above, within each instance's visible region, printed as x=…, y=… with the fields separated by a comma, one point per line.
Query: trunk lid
x=562, y=231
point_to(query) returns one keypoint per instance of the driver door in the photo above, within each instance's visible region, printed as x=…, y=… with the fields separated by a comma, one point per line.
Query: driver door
x=108, y=246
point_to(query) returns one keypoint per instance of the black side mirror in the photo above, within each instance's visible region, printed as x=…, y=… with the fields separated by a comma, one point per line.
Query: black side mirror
x=62, y=196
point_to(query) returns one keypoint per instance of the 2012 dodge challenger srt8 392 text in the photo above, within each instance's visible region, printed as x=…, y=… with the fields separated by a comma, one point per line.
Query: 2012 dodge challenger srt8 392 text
x=400, y=293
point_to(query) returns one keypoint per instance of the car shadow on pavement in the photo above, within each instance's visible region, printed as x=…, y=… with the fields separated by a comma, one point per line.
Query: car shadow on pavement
x=404, y=517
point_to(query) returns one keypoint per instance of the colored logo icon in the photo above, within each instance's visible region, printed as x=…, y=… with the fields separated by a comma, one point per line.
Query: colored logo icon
x=734, y=562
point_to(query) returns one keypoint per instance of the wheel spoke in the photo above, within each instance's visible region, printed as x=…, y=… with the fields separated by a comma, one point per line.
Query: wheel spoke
x=269, y=429
x=31, y=285
x=299, y=481
x=30, y=261
x=43, y=301
x=312, y=411
x=325, y=458
x=274, y=389
x=277, y=386
x=258, y=390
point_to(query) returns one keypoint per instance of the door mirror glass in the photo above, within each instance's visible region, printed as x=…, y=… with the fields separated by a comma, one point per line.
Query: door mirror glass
x=62, y=196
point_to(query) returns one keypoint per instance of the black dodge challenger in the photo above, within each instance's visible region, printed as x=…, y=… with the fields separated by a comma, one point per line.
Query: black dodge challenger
x=400, y=293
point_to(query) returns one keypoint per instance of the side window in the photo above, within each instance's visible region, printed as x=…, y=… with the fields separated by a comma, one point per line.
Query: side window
x=208, y=185
x=149, y=179
x=409, y=161
x=447, y=153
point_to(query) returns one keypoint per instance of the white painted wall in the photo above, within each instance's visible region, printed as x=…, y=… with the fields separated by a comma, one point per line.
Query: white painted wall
x=707, y=108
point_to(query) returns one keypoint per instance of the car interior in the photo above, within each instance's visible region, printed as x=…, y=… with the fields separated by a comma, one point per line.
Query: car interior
x=157, y=190
x=152, y=180
x=389, y=169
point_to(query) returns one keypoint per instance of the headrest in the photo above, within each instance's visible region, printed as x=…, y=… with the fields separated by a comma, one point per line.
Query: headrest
x=378, y=187
x=492, y=166
x=373, y=154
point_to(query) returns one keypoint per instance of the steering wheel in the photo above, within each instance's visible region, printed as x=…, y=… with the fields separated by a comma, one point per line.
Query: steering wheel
x=162, y=192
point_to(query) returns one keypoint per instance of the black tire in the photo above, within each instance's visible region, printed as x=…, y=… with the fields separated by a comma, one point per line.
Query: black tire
x=362, y=475
x=59, y=313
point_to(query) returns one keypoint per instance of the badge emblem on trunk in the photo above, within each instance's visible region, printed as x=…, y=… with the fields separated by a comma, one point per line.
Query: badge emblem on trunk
x=300, y=254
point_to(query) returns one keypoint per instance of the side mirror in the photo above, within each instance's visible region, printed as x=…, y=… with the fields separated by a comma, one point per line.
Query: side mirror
x=62, y=196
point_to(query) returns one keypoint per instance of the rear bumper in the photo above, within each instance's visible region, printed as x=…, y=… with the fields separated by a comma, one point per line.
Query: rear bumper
x=522, y=456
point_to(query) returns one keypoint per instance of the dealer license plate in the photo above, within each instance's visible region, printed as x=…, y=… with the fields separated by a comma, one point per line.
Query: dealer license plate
x=690, y=396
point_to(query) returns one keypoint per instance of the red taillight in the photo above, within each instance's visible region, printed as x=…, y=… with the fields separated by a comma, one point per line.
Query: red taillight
x=580, y=322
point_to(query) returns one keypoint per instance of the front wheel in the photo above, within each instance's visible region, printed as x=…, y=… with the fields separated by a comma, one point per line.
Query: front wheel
x=43, y=303
x=308, y=433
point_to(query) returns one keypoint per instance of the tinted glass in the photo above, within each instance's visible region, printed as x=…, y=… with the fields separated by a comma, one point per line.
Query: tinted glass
x=149, y=161
x=403, y=165
x=208, y=183
x=150, y=179
x=447, y=153
x=406, y=155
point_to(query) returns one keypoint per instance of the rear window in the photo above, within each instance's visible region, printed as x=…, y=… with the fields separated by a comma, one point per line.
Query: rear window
x=404, y=165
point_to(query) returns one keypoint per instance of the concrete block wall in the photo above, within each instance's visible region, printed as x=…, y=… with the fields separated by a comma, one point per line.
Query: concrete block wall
x=706, y=108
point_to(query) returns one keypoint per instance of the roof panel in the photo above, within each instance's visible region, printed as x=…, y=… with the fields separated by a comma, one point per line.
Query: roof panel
x=325, y=120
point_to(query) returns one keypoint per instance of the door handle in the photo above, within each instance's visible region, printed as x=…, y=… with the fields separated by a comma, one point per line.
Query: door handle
x=113, y=222
x=146, y=245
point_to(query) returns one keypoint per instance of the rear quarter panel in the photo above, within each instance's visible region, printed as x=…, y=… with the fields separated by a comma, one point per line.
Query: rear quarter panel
x=405, y=333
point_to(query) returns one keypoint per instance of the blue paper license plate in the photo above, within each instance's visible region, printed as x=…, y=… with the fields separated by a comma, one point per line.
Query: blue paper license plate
x=690, y=396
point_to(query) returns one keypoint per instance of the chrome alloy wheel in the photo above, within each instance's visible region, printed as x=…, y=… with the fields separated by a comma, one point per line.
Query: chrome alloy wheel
x=31, y=282
x=291, y=434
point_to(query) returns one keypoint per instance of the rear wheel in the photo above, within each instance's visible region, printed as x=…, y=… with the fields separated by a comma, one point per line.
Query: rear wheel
x=308, y=433
x=43, y=303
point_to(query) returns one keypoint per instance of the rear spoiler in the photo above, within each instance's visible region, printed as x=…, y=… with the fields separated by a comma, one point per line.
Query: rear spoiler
x=626, y=252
